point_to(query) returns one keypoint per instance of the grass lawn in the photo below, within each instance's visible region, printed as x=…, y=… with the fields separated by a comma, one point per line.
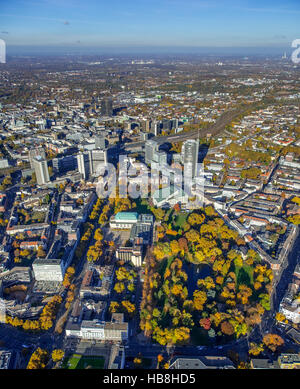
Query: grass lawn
x=180, y=220
x=71, y=362
x=244, y=274
x=78, y=361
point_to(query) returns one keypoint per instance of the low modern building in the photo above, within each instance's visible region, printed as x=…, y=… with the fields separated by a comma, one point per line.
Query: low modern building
x=97, y=282
x=8, y=359
x=128, y=220
x=291, y=311
x=131, y=254
x=169, y=196
x=203, y=362
x=115, y=330
x=4, y=163
x=257, y=363
x=124, y=220
x=17, y=275
x=50, y=269
x=53, y=267
x=140, y=235
x=289, y=361
x=294, y=335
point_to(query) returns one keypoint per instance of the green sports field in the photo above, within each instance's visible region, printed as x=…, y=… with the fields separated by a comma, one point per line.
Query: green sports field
x=78, y=361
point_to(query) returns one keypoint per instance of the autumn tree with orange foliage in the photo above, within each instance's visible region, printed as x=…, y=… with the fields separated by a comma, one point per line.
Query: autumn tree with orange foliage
x=273, y=341
x=227, y=328
x=205, y=323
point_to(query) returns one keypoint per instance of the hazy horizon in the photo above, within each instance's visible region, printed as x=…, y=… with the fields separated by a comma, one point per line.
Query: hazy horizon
x=145, y=50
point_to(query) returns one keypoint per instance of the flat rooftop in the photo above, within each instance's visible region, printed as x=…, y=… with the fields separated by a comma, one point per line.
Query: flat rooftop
x=124, y=216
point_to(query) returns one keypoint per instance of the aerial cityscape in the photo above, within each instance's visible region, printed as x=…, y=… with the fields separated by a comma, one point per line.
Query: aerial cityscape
x=149, y=200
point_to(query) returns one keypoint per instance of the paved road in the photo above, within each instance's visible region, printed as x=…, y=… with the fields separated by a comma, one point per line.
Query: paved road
x=152, y=350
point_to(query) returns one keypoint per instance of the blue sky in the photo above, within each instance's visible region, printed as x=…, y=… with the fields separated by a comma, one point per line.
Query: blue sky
x=204, y=23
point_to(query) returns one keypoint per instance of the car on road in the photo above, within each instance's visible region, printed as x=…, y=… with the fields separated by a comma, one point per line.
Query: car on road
x=64, y=293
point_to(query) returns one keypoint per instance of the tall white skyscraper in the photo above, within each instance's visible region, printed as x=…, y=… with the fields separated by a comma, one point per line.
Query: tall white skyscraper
x=189, y=156
x=41, y=170
x=90, y=161
x=38, y=151
x=83, y=161
x=98, y=158
x=154, y=127
x=150, y=147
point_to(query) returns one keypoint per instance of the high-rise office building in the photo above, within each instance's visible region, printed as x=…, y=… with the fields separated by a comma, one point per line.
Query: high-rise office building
x=174, y=124
x=56, y=165
x=146, y=125
x=41, y=170
x=98, y=158
x=38, y=151
x=166, y=124
x=150, y=147
x=189, y=155
x=160, y=157
x=64, y=164
x=155, y=128
x=89, y=162
x=107, y=107
x=83, y=162
x=144, y=135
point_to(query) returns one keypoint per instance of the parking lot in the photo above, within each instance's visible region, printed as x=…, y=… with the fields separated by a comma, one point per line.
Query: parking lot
x=119, y=237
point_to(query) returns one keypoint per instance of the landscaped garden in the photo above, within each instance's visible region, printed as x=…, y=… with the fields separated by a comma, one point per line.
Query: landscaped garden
x=200, y=286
